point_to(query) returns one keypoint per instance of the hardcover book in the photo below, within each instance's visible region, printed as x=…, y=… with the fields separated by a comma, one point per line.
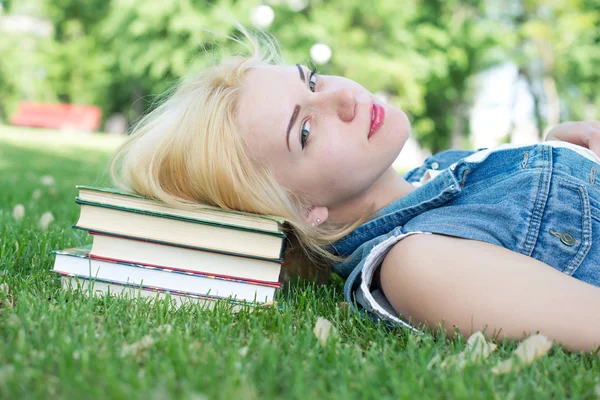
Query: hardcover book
x=109, y=197
x=114, y=248
x=101, y=288
x=180, y=231
x=77, y=262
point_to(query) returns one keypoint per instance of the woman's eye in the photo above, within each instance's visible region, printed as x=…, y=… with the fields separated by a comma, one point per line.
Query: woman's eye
x=304, y=134
x=312, y=81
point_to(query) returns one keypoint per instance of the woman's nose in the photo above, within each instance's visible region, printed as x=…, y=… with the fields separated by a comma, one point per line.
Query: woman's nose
x=340, y=101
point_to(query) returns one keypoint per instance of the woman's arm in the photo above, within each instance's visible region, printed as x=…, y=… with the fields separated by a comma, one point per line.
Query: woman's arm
x=472, y=285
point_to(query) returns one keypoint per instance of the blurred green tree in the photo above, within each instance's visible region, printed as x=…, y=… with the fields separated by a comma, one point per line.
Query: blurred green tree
x=460, y=40
x=10, y=83
x=422, y=55
x=556, y=48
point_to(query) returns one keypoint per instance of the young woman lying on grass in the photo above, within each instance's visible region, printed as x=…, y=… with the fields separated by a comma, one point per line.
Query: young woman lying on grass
x=503, y=240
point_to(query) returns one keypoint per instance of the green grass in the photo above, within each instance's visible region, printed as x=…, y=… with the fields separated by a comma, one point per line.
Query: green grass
x=57, y=344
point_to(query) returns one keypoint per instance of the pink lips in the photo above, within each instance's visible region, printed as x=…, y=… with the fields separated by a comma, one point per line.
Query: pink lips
x=378, y=113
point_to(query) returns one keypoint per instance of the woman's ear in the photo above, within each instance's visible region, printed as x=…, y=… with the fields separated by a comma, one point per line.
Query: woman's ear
x=317, y=215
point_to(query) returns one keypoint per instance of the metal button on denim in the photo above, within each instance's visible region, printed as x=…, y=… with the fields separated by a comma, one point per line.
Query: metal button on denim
x=565, y=237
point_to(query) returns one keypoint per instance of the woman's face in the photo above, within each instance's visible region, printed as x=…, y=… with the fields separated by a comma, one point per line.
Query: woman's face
x=325, y=137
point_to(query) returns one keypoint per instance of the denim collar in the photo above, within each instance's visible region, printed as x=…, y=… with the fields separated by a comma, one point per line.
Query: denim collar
x=397, y=213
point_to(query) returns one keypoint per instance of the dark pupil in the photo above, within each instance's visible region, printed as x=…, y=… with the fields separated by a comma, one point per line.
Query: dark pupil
x=312, y=85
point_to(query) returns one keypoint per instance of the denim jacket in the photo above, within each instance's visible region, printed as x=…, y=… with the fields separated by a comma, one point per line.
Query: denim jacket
x=538, y=200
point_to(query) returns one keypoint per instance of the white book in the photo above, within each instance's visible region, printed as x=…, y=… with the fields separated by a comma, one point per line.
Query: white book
x=100, y=288
x=74, y=261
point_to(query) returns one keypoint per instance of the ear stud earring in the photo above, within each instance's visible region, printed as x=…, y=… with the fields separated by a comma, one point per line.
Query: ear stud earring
x=318, y=220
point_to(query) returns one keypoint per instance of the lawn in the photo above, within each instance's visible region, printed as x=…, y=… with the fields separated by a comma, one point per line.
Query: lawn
x=57, y=344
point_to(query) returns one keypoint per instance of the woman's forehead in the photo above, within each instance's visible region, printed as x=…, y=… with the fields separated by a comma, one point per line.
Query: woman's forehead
x=267, y=102
x=268, y=95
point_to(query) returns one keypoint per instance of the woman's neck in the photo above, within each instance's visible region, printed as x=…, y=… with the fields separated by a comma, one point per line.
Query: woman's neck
x=389, y=187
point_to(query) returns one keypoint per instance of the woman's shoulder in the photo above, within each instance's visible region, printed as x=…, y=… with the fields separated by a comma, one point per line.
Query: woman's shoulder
x=417, y=247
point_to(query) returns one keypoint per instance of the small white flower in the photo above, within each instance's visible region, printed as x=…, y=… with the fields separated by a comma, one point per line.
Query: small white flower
x=476, y=350
x=323, y=328
x=527, y=352
x=166, y=329
x=18, y=212
x=75, y=355
x=138, y=347
x=47, y=180
x=243, y=351
x=37, y=193
x=45, y=221
x=6, y=294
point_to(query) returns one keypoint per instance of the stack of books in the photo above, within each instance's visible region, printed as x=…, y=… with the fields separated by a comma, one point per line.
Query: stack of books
x=145, y=247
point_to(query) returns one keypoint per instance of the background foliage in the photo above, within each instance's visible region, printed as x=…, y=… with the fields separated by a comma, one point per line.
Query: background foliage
x=424, y=54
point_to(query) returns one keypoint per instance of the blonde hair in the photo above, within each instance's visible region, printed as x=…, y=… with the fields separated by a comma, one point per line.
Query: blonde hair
x=188, y=151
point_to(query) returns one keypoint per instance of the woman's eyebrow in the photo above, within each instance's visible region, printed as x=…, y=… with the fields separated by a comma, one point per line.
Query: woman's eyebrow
x=292, y=122
x=296, y=111
x=301, y=73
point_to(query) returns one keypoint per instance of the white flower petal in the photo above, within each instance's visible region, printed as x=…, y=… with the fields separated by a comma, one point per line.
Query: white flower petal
x=323, y=328
x=138, y=347
x=476, y=350
x=164, y=329
x=18, y=212
x=525, y=354
x=45, y=221
x=47, y=180
x=5, y=295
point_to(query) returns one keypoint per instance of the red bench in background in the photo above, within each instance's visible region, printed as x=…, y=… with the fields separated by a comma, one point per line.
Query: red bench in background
x=57, y=116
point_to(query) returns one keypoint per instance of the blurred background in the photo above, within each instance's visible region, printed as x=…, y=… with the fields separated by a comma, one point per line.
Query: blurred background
x=469, y=73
